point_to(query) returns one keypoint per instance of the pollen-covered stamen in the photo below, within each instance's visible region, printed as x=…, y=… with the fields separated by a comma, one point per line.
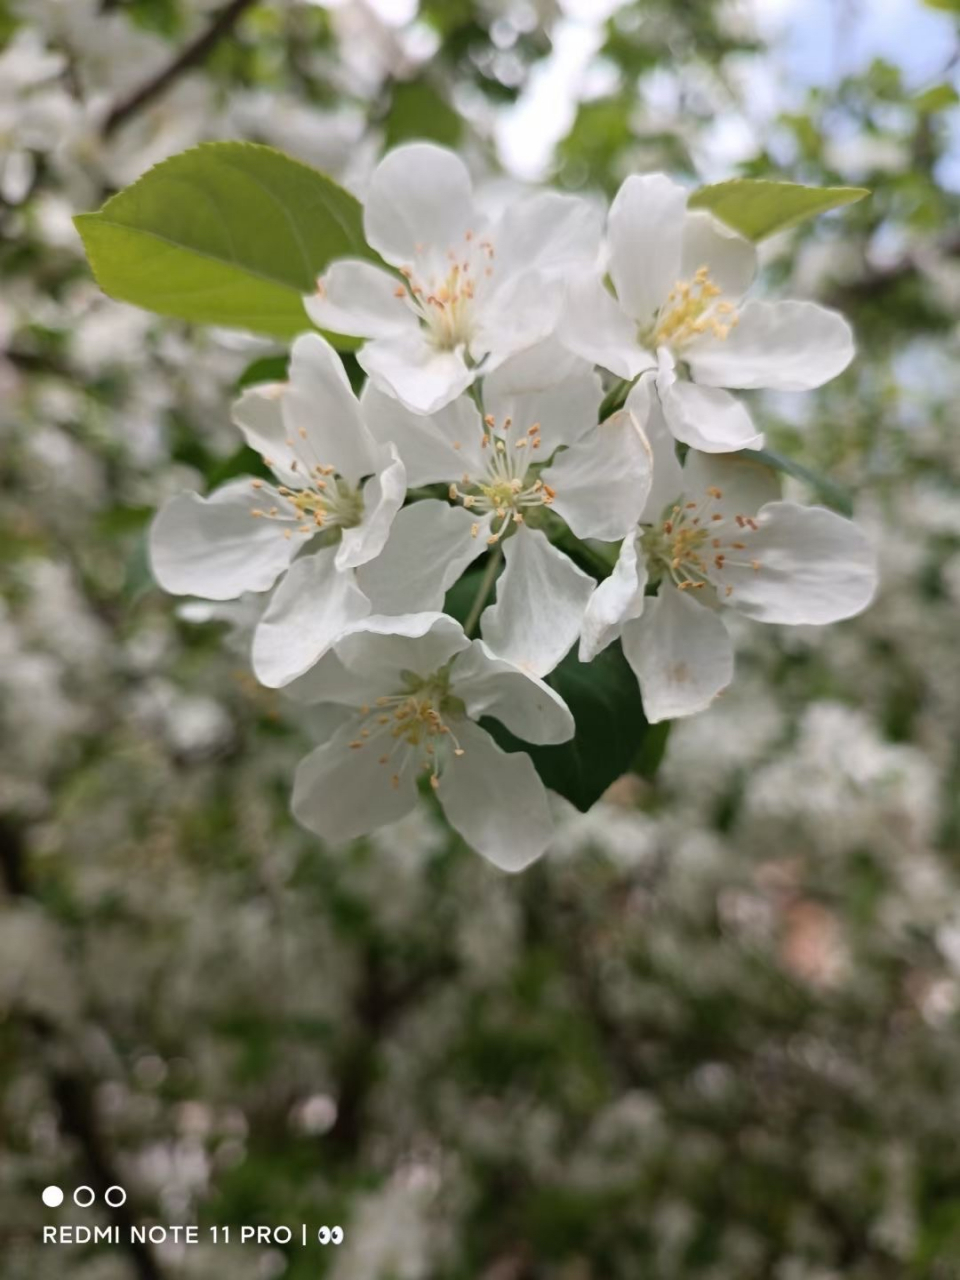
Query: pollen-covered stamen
x=324, y=499
x=441, y=290
x=510, y=484
x=697, y=542
x=418, y=720
x=691, y=310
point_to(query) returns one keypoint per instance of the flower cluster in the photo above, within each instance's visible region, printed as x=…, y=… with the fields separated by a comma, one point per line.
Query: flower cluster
x=488, y=427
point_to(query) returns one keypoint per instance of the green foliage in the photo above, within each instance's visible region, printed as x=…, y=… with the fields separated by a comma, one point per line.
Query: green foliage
x=830, y=493
x=611, y=728
x=419, y=111
x=228, y=233
x=758, y=208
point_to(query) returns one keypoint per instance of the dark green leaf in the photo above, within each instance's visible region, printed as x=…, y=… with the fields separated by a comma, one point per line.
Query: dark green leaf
x=228, y=233
x=418, y=111
x=264, y=369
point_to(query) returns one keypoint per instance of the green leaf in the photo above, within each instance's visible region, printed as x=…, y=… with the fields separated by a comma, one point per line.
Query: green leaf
x=228, y=233
x=611, y=728
x=830, y=493
x=757, y=207
x=939, y=97
x=264, y=369
x=418, y=111
x=949, y=6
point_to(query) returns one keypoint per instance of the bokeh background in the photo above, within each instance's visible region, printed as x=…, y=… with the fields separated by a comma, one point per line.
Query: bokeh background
x=715, y=1032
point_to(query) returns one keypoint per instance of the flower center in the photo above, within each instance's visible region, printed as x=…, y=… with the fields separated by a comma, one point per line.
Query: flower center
x=692, y=309
x=510, y=485
x=324, y=501
x=696, y=543
x=442, y=293
x=415, y=719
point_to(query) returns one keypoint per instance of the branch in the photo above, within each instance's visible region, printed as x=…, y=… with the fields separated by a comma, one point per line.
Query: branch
x=192, y=55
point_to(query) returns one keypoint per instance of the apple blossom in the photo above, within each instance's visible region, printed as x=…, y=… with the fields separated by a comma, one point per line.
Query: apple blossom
x=680, y=276
x=338, y=491
x=470, y=291
x=405, y=695
x=540, y=405
x=714, y=533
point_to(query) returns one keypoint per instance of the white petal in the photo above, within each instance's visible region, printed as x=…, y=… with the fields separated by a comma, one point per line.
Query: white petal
x=541, y=600
x=419, y=198
x=430, y=545
x=310, y=609
x=564, y=410
x=523, y=311
x=435, y=448
x=216, y=548
x=745, y=484
x=680, y=653
x=383, y=496
x=814, y=567
x=329, y=681
x=593, y=326
x=321, y=413
x=358, y=298
x=667, y=480
x=341, y=792
x=549, y=231
x=496, y=801
x=645, y=230
x=491, y=686
x=707, y=418
x=617, y=600
x=413, y=370
x=259, y=415
x=381, y=649
x=602, y=483
x=785, y=346
x=730, y=260
x=537, y=368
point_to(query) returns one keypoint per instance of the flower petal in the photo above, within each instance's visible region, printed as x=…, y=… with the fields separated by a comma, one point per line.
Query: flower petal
x=381, y=649
x=814, y=567
x=359, y=298
x=667, y=480
x=564, y=407
x=541, y=600
x=321, y=413
x=420, y=198
x=496, y=801
x=523, y=311
x=617, y=600
x=730, y=259
x=548, y=231
x=745, y=484
x=646, y=229
x=435, y=448
x=383, y=496
x=602, y=482
x=341, y=792
x=216, y=548
x=430, y=545
x=491, y=686
x=259, y=415
x=415, y=372
x=593, y=325
x=784, y=346
x=680, y=653
x=707, y=418
x=311, y=608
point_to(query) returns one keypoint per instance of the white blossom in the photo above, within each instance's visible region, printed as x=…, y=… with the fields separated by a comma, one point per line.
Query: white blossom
x=680, y=277
x=470, y=292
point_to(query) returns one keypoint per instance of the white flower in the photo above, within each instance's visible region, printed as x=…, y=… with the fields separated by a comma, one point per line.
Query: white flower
x=338, y=487
x=495, y=467
x=409, y=692
x=679, y=277
x=469, y=292
x=714, y=533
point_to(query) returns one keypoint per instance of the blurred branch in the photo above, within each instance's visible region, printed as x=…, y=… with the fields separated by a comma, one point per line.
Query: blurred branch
x=193, y=55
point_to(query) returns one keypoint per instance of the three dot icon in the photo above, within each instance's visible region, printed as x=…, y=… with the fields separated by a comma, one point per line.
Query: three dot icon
x=83, y=1197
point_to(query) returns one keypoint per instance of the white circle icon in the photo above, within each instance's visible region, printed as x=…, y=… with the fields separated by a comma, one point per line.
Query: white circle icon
x=118, y=1194
x=52, y=1197
x=84, y=1204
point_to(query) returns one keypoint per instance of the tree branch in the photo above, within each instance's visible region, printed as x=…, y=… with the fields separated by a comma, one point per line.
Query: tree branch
x=192, y=55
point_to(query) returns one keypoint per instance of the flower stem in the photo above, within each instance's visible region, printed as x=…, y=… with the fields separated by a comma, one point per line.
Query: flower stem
x=615, y=398
x=486, y=583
